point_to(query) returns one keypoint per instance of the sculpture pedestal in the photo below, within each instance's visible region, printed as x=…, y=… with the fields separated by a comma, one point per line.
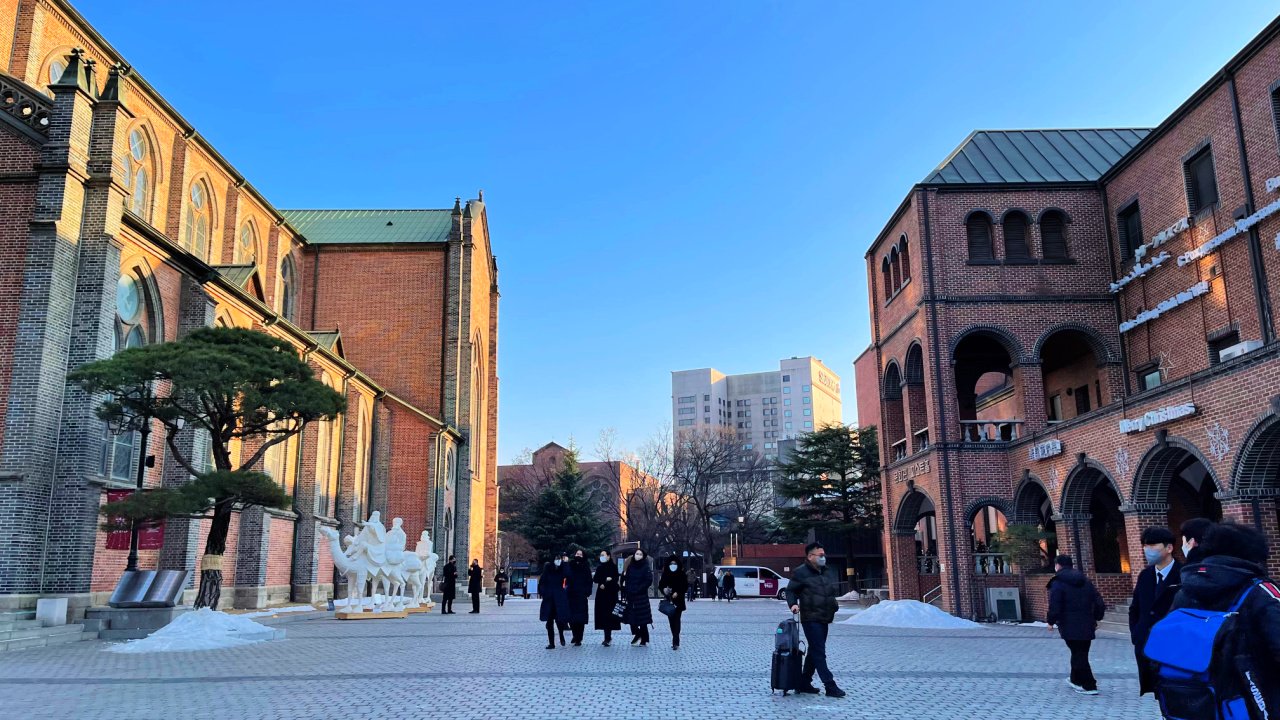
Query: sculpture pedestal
x=423, y=608
x=384, y=615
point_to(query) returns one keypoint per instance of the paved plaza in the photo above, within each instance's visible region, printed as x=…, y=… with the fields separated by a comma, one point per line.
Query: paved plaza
x=494, y=665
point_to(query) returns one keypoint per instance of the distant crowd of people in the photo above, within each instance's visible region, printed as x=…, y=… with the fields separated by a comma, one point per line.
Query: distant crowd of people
x=1205, y=632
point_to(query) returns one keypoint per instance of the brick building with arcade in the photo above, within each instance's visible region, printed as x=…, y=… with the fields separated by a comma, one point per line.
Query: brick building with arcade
x=120, y=225
x=1074, y=339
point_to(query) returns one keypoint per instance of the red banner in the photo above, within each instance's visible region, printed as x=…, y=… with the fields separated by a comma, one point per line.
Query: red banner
x=150, y=534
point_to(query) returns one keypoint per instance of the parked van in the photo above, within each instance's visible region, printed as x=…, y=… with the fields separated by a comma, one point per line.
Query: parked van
x=754, y=580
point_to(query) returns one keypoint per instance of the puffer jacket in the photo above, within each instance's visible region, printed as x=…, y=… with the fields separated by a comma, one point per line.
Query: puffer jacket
x=1075, y=606
x=816, y=591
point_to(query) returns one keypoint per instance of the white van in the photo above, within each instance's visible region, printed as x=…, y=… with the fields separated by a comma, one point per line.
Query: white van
x=754, y=580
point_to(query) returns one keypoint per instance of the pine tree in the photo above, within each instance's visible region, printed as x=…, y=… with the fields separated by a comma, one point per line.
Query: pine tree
x=564, y=515
x=834, y=474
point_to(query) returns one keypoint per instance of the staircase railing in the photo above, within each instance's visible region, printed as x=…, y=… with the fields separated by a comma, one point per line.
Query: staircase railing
x=932, y=596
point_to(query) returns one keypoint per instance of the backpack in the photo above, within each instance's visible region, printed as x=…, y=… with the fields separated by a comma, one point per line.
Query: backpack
x=787, y=637
x=1194, y=654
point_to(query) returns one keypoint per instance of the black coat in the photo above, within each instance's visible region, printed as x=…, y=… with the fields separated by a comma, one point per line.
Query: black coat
x=450, y=589
x=1216, y=584
x=1148, y=606
x=555, y=598
x=635, y=588
x=606, y=581
x=816, y=591
x=728, y=582
x=677, y=582
x=711, y=585
x=500, y=582
x=579, y=589
x=1074, y=605
x=474, y=579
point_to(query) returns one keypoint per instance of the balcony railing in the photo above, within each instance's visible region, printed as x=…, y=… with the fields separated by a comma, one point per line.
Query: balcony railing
x=922, y=439
x=899, y=450
x=991, y=564
x=927, y=564
x=990, y=431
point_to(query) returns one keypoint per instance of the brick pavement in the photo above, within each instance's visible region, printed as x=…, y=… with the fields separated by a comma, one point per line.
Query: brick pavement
x=495, y=666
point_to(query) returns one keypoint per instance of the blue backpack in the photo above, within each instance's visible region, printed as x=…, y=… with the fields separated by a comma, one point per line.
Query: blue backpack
x=1194, y=653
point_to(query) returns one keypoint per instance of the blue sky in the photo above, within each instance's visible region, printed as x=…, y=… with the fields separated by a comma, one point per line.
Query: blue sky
x=652, y=169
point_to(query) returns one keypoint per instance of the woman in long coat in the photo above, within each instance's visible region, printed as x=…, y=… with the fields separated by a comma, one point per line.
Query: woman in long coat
x=673, y=585
x=449, y=588
x=637, y=578
x=555, y=599
x=606, y=582
x=579, y=587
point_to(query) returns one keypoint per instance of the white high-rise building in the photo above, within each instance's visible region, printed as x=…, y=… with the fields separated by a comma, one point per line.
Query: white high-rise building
x=762, y=408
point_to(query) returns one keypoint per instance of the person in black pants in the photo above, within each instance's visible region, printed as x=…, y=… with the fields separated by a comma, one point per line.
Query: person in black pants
x=1076, y=608
x=475, y=577
x=449, y=589
x=578, y=585
x=728, y=586
x=500, y=586
x=606, y=581
x=1153, y=595
x=673, y=584
x=555, y=599
x=814, y=593
x=637, y=578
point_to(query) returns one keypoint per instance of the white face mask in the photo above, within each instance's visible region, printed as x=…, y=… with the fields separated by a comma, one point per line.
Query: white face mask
x=604, y=558
x=557, y=562
x=1186, y=549
x=672, y=566
x=639, y=556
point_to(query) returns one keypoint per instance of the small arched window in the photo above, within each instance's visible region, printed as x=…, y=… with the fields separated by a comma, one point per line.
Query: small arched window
x=287, y=289
x=1015, y=236
x=895, y=267
x=886, y=278
x=246, y=245
x=195, y=234
x=905, y=254
x=1053, y=231
x=978, y=228
x=137, y=174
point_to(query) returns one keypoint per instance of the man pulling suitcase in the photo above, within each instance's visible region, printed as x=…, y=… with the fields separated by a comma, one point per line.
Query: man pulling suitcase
x=814, y=594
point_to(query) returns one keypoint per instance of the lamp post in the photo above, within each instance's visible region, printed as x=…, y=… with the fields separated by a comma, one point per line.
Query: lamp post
x=140, y=423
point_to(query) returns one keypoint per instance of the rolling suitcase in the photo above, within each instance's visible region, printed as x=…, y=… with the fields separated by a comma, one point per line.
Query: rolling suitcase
x=788, y=658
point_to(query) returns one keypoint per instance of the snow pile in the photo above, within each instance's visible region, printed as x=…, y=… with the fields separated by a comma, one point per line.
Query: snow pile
x=277, y=611
x=851, y=596
x=202, y=629
x=909, y=614
x=1036, y=624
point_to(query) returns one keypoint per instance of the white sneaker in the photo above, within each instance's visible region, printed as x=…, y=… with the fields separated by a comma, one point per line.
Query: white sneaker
x=1074, y=686
x=1082, y=691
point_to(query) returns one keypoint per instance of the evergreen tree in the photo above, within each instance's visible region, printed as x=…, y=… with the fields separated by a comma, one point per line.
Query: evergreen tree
x=564, y=515
x=231, y=383
x=834, y=473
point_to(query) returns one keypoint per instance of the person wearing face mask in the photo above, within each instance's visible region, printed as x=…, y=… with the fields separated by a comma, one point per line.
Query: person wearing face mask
x=637, y=578
x=606, y=582
x=449, y=587
x=579, y=587
x=814, y=593
x=555, y=598
x=673, y=584
x=475, y=577
x=1153, y=595
x=500, y=586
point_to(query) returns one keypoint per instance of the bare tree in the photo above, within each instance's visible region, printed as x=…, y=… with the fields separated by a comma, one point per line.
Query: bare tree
x=714, y=475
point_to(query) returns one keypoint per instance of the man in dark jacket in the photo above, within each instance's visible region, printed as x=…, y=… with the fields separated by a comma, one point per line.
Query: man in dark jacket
x=1076, y=608
x=449, y=587
x=1192, y=532
x=728, y=585
x=475, y=580
x=1235, y=558
x=814, y=593
x=1152, y=596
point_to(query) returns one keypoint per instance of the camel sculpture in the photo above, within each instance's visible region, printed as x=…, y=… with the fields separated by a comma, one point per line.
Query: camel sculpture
x=356, y=571
x=378, y=556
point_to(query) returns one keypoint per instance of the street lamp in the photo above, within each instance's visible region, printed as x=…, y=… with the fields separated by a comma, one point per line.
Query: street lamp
x=140, y=423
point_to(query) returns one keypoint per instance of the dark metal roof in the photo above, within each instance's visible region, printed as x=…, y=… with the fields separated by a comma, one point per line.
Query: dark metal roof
x=1035, y=156
x=331, y=227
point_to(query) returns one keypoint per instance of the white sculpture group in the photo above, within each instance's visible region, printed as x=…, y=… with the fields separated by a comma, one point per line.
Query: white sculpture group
x=378, y=556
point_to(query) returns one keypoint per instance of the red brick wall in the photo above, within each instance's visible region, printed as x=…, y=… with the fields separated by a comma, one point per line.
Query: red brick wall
x=409, y=495
x=280, y=553
x=389, y=331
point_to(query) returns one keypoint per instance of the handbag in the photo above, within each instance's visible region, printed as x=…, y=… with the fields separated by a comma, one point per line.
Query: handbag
x=620, y=608
x=666, y=607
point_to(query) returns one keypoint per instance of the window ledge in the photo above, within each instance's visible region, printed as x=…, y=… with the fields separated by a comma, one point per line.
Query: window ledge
x=1204, y=212
x=1022, y=261
x=897, y=292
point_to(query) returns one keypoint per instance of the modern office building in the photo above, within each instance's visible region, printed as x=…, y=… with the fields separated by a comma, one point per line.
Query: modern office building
x=760, y=408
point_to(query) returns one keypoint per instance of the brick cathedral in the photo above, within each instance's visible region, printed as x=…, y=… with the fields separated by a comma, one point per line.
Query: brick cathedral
x=1074, y=332
x=121, y=226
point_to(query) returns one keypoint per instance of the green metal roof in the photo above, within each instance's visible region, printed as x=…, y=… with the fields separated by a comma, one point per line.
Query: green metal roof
x=237, y=274
x=337, y=227
x=328, y=339
x=1034, y=156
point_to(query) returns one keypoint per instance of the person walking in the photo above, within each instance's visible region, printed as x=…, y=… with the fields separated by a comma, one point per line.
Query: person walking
x=814, y=593
x=475, y=578
x=674, y=584
x=500, y=586
x=449, y=586
x=1075, y=608
x=728, y=586
x=1153, y=595
x=637, y=578
x=1192, y=532
x=606, y=582
x=711, y=584
x=579, y=587
x=555, y=599
x=1234, y=564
